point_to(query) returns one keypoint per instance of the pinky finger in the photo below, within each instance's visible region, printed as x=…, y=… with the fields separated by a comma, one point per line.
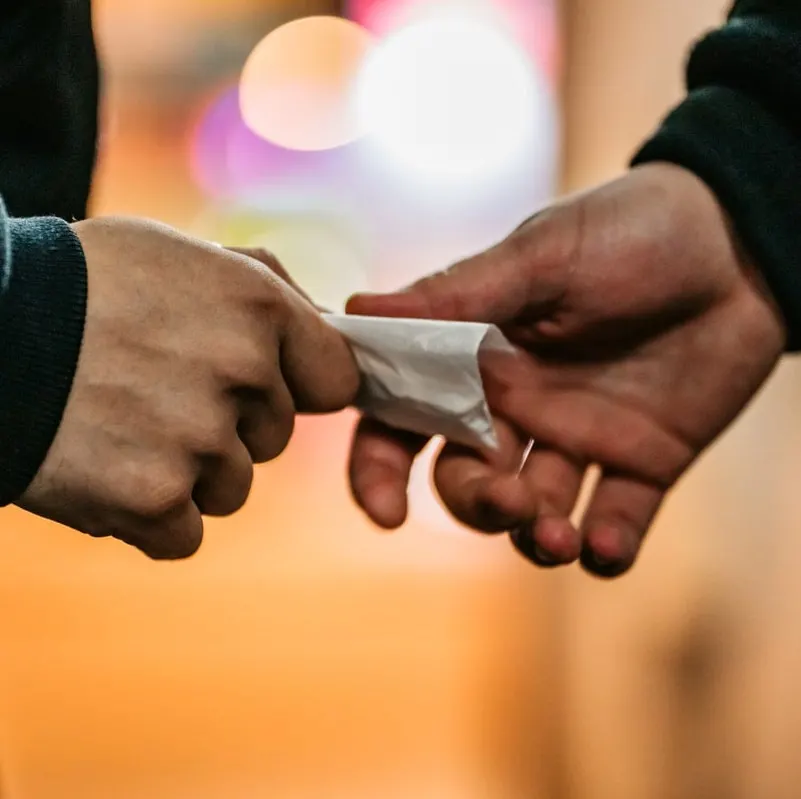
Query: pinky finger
x=175, y=536
x=616, y=522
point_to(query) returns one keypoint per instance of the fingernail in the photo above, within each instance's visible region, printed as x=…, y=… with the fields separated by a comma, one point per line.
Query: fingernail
x=362, y=297
x=492, y=520
x=544, y=558
x=529, y=548
x=601, y=566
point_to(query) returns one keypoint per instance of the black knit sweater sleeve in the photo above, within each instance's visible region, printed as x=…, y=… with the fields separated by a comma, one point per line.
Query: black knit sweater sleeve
x=42, y=310
x=48, y=125
x=739, y=129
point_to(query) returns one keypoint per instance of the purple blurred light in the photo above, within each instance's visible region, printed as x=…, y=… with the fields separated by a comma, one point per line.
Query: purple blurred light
x=229, y=161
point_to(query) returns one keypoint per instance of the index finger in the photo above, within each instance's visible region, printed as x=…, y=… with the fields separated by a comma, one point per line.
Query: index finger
x=380, y=463
x=316, y=361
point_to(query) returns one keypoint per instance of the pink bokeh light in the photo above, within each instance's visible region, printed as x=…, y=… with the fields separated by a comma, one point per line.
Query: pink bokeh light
x=533, y=22
x=229, y=161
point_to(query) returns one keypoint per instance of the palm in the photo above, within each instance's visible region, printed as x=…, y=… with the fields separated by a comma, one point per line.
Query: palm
x=644, y=406
x=642, y=335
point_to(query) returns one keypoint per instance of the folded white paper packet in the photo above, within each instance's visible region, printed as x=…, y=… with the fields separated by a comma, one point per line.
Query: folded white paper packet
x=423, y=376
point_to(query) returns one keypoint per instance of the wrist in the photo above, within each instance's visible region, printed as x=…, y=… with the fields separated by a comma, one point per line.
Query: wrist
x=752, y=162
x=740, y=280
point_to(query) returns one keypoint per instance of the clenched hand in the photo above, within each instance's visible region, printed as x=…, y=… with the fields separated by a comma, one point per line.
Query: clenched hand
x=194, y=363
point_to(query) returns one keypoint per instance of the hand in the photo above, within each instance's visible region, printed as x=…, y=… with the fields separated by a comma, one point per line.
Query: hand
x=194, y=362
x=277, y=268
x=643, y=331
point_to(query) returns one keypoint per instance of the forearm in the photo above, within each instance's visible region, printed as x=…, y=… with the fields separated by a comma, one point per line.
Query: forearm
x=740, y=131
x=42, y=310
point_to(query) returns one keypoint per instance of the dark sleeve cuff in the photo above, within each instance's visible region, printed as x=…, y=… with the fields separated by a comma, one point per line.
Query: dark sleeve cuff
x=753, y=164
x=42, y=312
x=786, y=9
x=756, y=54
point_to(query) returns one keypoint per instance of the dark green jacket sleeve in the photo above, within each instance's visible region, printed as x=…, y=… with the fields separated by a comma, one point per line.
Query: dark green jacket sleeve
x=48, y=127
x=739, y=129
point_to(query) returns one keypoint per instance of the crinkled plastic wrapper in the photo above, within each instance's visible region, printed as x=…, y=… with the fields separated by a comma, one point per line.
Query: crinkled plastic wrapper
x=423, y=376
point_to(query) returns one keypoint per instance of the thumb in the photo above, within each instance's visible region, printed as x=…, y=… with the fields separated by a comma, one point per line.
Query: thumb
x=316, y=361
x=495, y=286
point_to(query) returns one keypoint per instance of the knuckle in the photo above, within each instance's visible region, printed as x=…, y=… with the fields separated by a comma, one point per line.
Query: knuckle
x=241, y=355
x=268, y=295
x=174, y=536
x=517, y=247
x=253, y=365
x=253, y=348
x=282, y=435
x=439, y=298
x=275, y=437
x=231, y=505
x=649, y=452
x=211, y=436
x=227, y=501
x=175, y=546
x=160, y=494
x=267, y=258
x=254, y=281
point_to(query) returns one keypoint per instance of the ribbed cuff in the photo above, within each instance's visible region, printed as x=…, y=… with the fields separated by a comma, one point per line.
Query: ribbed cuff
x=42, y=315
x=769, y=8
x=753, y=164
x=758, y=56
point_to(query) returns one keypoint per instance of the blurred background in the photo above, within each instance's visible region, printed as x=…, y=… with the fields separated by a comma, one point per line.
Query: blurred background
x=300, y=654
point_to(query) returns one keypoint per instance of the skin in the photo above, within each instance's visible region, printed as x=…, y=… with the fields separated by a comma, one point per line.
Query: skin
x=642, y=331
x=194, y=362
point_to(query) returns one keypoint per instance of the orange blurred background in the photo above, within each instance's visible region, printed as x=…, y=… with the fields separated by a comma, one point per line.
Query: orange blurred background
x=301, y=654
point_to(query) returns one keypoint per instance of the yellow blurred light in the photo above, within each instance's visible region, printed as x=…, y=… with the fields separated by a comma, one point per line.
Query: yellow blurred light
x=326, y=255
x=297, y=85
x=321, y=257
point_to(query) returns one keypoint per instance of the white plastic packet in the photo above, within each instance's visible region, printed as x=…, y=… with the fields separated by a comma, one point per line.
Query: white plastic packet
x=423, y=375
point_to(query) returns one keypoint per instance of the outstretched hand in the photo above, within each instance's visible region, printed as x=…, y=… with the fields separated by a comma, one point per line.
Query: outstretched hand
x=643, y=331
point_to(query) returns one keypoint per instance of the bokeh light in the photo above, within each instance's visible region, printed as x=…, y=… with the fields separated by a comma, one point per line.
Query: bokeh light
x=229, y=161
x=533, y=23
x=452, y=98
x=296, y=86
x=325, y=255
x=226, y=156
x=320, y=257
x=425, y=509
